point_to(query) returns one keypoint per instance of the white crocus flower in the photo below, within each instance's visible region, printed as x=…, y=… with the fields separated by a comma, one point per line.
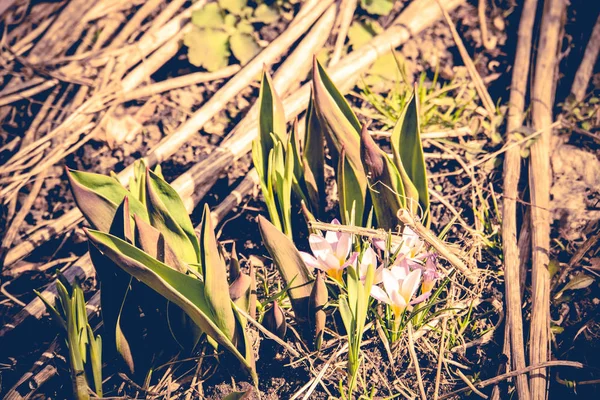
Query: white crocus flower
x=399, y=287
x=330, y=253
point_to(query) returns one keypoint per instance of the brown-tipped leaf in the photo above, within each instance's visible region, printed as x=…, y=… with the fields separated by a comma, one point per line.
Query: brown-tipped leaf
x=153, y=242
x=98, y=197
x=385, y=184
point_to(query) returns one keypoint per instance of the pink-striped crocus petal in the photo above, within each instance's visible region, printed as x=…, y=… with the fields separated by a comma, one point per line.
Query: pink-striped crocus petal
x=309, y=260
x=411, y=239
x=378, y=277
x=379, y=294
x=421, y=298
x=319, y=246
x=399, y=301
x=400, y=272
x=351, y=260
x=343, y=246
x=390, y=283
x=410, y=285
x=329, y=261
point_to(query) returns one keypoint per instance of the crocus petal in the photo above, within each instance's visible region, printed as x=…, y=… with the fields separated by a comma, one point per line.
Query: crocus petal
x=399, y=300
x=319, y=246
x=379, y=294
x=421, y=298
x=329, y=261
x=378, y=278
x=344, y=245
x=351, y=260
x=309, y=260
x=369, y=257
x=400, y=272
x=411, y=284
x=390, y=283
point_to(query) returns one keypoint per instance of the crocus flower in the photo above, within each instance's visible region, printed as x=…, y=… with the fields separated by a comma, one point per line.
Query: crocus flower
x=330, y=253
x=410, y=250
x=399, y=287
x=369, y=257
x=430, y=273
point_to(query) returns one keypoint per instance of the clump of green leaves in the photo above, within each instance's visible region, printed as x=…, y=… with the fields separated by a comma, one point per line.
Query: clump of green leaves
x=366, y=176
x=85, y=348
x=157, y=277
x=226, y=28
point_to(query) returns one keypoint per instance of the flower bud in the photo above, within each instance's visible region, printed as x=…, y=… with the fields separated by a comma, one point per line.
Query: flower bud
x=316, y=304
x=274, y=320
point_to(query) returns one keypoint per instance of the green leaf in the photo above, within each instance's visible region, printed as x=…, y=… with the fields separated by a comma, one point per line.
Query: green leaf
x=244, y=47
x=336, y=118
x=314, y=160
x=290, y=265
x=346, y=313
x=271, y=118
x=265, y=14
x=408, y=156
x=153, y=242
x=233, y=6
x=214, y=271
x=98, y=197
x=579, y=281
x=185, y=291
x=385, y=184
x=208, y=48
x=209, y=16
x=168, y=214
x=377, y=7
x=351, y=193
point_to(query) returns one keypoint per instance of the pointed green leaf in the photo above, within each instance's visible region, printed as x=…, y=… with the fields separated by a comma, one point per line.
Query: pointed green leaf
x=385, y=184
x=185, y=291
x=351, y=192
x=168, y=214
x=290, y=265
x=271, y=119
x=336, y=118
x=214, y=271
x=98, y=197
x=314, y=160
x=153, y=242
x=408, y=155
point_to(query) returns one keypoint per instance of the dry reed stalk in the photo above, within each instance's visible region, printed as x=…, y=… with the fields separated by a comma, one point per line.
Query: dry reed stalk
x=415, y=361
x=176, y=83
x=512, y=172
x=154, y=39
x=136, y=21
x=13, y=230
x=539, y=182
x=486, y=99
x=500, y=378
x=347, y=9
x=586, y=68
